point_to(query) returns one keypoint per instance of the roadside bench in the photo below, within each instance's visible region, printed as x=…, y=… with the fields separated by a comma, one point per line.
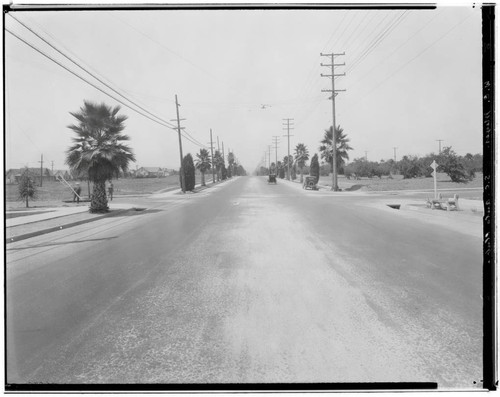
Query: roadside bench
x=448, y=204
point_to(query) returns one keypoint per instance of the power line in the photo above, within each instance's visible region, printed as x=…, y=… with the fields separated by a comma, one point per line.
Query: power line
x=395, y=50
x=161, y=122
x=415, y=57
x=82, y=78
x=378, y=39
x=85, y=70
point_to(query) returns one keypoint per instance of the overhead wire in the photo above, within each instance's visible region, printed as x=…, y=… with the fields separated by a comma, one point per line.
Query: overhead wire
x=161, y=122
x=395, y=50
x=380, y=37
x=416, y=56
x=85, y=70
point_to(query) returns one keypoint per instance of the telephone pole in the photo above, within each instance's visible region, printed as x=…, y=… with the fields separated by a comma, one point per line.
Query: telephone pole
x=288, y=127
x=366, y=155
x=394, y=153
x=52, y=161
x=269, y=155
x=439, y=140
x=41, y=170
x=183, y=184
x=275, y=142
x=212, y=154
x=334, y=94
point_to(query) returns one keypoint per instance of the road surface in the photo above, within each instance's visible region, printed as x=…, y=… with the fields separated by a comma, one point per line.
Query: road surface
x=249, y=282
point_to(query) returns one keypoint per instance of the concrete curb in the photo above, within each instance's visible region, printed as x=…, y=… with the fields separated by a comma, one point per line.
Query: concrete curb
x=65, y=226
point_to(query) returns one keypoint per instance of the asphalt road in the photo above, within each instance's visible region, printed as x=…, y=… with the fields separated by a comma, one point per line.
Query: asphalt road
x=249, y=282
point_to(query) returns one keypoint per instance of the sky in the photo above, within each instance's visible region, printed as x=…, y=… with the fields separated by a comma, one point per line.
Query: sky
x=412, y=77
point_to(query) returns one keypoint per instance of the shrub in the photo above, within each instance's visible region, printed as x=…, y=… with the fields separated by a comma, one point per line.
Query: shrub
x=314, y=167
x=189, y=172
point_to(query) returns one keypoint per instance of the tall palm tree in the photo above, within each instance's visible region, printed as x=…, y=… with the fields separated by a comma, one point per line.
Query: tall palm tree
x=301, y=156
x=98, y=149
x=343, y=147
x=203, y=163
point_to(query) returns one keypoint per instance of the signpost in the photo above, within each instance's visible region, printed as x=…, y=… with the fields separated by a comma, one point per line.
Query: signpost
x=434, y=166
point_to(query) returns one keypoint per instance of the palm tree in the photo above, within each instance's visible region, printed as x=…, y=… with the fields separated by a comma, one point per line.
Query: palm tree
x=203, y=163
x=98, y=148
x=218, y=162
x=301, y=156
x=342, y=147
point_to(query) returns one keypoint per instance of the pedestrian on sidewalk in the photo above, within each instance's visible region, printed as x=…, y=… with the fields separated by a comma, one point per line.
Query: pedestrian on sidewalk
x=76, y=196
x=110, y=191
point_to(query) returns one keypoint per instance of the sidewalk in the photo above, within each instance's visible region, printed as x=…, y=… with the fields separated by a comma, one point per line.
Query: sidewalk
x=48, y=220
x=37, y=221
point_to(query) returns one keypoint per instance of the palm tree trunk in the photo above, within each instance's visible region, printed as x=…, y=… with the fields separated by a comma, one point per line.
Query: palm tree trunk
x=99, y=201
x=301, y=174
x=203, y=178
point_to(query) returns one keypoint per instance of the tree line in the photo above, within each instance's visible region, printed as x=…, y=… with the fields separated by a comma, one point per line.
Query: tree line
x=460, y=169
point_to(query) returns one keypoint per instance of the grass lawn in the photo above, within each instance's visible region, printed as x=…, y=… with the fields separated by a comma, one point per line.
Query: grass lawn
x=55, y=193
x=398, y=183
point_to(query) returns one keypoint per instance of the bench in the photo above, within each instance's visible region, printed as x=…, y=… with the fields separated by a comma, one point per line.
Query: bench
x=450, y=204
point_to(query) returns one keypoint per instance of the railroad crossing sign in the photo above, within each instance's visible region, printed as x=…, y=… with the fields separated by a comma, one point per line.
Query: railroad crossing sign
x=434, y=166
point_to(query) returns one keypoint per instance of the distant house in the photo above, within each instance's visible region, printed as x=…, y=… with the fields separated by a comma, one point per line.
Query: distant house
x=65, y=174
x=151, y=172
x=12, y=175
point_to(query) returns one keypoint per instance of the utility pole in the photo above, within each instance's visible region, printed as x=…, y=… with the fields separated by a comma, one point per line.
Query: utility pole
x=52, y=167
x=334, y=94
x=288, y=127
x=366, y=155
x=223, y=152
x=275, y=142
x=212, y=154
x=394, y=153
x=218, y=146
x=439, y=140
x=269, y=155
x=183, y=184
x=41, y=170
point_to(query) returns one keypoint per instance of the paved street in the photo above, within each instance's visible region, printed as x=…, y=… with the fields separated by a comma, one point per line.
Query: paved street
x=250, y=282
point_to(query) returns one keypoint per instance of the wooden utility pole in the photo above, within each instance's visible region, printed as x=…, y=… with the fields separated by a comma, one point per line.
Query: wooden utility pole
x=439, y=140
x=334, y=94
x=269, y=155
x=394, y=153
x=275, y=142
x=41, y=170
x=183, y=183
x=212, y=152
x=288, y=127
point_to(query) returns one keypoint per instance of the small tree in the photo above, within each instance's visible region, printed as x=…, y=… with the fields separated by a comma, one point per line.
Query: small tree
x=314, y=167
x=453, y=165
x=189, y=172
x=27, y=187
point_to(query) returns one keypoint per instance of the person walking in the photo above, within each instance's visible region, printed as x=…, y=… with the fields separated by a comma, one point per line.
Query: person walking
x=76, y=196
x=110, y=191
